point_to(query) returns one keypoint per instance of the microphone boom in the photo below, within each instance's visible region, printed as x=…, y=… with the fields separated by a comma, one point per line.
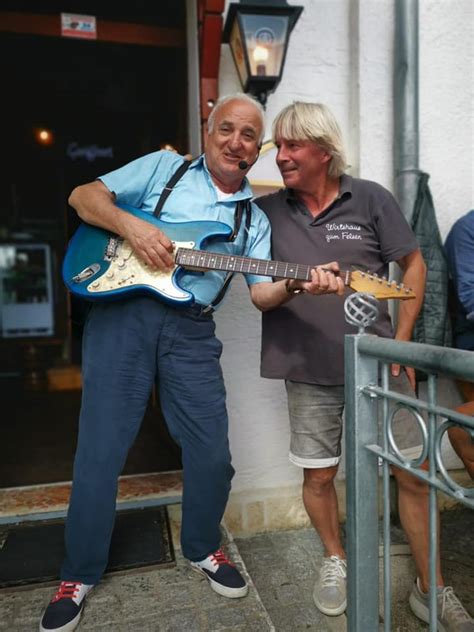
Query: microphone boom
x=243, y=164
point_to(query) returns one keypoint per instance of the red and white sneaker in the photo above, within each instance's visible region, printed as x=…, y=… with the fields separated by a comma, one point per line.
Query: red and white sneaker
x=224, y=578
x=65, y=608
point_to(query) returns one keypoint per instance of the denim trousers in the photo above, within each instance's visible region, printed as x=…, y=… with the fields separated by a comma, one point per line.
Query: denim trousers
x=128, y=346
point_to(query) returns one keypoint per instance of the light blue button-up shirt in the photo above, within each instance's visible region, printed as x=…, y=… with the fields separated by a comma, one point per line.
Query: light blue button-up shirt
x=194, y=198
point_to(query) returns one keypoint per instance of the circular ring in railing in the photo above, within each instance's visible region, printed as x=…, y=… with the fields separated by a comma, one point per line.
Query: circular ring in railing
x=459, y=490
x=424, y=433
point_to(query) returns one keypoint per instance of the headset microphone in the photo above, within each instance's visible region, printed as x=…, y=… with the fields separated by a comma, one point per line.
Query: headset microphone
x=243, y=164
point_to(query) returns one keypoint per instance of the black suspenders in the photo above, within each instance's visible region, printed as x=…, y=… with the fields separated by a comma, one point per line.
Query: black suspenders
x=242, y=206
x=177, y=175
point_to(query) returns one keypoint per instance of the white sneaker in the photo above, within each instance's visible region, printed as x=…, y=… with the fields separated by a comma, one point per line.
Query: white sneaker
x=330, y=592
x=452, y=616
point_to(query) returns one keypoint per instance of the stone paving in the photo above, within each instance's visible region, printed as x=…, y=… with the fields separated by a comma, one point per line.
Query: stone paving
x=281, y=567
x=174, y=599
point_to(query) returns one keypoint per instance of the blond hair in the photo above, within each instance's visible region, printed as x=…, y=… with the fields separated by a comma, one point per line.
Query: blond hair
x=314, y=122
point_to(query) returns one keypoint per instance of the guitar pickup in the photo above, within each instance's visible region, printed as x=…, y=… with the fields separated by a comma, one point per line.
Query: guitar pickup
x=87, y=273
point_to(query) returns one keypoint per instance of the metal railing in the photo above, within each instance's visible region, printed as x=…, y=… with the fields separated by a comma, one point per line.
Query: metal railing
x=367, y=357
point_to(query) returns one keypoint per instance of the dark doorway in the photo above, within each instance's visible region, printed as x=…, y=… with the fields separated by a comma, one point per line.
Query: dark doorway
x=103, y=104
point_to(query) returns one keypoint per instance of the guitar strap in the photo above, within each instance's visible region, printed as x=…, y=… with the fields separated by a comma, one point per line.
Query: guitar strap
x=241, y=207
x=177, y=175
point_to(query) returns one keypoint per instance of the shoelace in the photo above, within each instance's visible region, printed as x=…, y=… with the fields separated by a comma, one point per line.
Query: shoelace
x=452, y=604
x=332, y=568
x=66, y=590
x=219, y=558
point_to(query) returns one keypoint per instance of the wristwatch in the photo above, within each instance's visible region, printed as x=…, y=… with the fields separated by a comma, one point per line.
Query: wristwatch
x=296, y=290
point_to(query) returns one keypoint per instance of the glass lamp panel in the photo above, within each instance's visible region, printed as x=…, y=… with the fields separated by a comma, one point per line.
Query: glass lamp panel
x=265, y=37
x=237, y=47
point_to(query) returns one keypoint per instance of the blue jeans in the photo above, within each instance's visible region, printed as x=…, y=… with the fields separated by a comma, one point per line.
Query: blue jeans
x=127, y=345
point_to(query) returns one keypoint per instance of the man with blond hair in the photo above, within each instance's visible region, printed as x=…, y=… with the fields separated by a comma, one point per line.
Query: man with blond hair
x=323, y=214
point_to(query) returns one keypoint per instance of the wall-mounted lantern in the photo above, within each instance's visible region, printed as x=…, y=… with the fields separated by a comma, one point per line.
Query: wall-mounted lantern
x=258, y=32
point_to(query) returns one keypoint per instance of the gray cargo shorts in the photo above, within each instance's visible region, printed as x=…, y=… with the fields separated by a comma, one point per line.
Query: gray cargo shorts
x=316, y=419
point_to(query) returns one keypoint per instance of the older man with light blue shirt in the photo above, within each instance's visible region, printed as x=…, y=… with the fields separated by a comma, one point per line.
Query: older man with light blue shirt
x=130, y=343
x=195, y=198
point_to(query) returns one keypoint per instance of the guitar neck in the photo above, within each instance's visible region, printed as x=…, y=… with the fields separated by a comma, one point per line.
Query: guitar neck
x=203, y=260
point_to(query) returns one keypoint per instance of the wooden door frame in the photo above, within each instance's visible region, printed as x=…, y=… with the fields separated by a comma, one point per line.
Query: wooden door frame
x=107, y=30
x=210, y=26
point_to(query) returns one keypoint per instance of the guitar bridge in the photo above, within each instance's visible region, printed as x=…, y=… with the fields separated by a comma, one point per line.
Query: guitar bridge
x=112, y=247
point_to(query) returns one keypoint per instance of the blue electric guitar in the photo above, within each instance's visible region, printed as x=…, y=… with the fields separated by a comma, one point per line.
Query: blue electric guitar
x=99, y=265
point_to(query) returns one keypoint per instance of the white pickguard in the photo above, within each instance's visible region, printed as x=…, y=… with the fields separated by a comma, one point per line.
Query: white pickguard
x=126, y=270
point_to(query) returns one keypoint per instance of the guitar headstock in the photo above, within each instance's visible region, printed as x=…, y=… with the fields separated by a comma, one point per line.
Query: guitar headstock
x=380, y=287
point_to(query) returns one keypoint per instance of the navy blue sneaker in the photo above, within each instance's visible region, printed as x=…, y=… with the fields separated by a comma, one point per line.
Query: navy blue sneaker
x=224, y=578
x=65, y=608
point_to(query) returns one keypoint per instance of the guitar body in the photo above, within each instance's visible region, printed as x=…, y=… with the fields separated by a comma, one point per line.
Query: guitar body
x=100, y=266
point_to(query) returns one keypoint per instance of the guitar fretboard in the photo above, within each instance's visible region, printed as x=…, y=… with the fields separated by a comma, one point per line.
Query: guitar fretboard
x=203, y=260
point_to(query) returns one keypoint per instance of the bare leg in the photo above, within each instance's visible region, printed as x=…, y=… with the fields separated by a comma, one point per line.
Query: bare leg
x=320, y=501
x=462, y=442
x=413, y=505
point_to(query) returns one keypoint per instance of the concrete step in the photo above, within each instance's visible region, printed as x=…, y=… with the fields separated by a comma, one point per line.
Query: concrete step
x=43, y=502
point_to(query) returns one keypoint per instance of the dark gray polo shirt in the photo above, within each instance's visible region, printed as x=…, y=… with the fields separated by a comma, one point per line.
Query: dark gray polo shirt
x=363, y=228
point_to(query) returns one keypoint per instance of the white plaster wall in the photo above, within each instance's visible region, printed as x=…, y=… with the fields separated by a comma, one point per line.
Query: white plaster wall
x=257, y=407
x=341, y=53
x=317, y=62
x=447, y=105
x=372, y=89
